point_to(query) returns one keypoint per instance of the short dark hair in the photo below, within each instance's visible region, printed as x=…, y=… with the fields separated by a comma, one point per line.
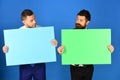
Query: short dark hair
x=25, y=13
x=85, y=13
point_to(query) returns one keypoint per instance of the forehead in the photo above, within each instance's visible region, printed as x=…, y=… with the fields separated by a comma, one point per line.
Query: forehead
x=80, y=17
x=30, y=17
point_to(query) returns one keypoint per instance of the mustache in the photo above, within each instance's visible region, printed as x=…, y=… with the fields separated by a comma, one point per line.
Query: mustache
x=77, y=24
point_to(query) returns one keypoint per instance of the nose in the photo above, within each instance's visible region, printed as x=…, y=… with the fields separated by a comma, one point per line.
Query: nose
x=77, y=21
x=35, y=21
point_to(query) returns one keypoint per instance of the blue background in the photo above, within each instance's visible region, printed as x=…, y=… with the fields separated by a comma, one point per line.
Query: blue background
x=62, y=14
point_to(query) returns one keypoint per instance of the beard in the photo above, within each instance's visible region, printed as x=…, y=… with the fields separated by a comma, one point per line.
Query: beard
x=79, y=26
x=33, y=26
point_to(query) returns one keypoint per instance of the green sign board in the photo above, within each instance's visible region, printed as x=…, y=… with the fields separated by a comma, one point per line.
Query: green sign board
x=86, y=46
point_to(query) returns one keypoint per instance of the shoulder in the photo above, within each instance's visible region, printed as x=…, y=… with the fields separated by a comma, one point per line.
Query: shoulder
x=38, y=26
x=22, y=27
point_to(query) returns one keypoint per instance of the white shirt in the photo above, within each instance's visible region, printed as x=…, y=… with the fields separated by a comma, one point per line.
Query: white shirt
x=23, y=27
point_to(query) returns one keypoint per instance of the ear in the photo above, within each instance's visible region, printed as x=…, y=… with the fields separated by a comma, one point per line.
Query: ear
x=23, y=21
x=87, y=22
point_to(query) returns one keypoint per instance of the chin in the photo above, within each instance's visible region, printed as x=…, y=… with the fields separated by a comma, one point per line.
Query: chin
x=33, y=26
